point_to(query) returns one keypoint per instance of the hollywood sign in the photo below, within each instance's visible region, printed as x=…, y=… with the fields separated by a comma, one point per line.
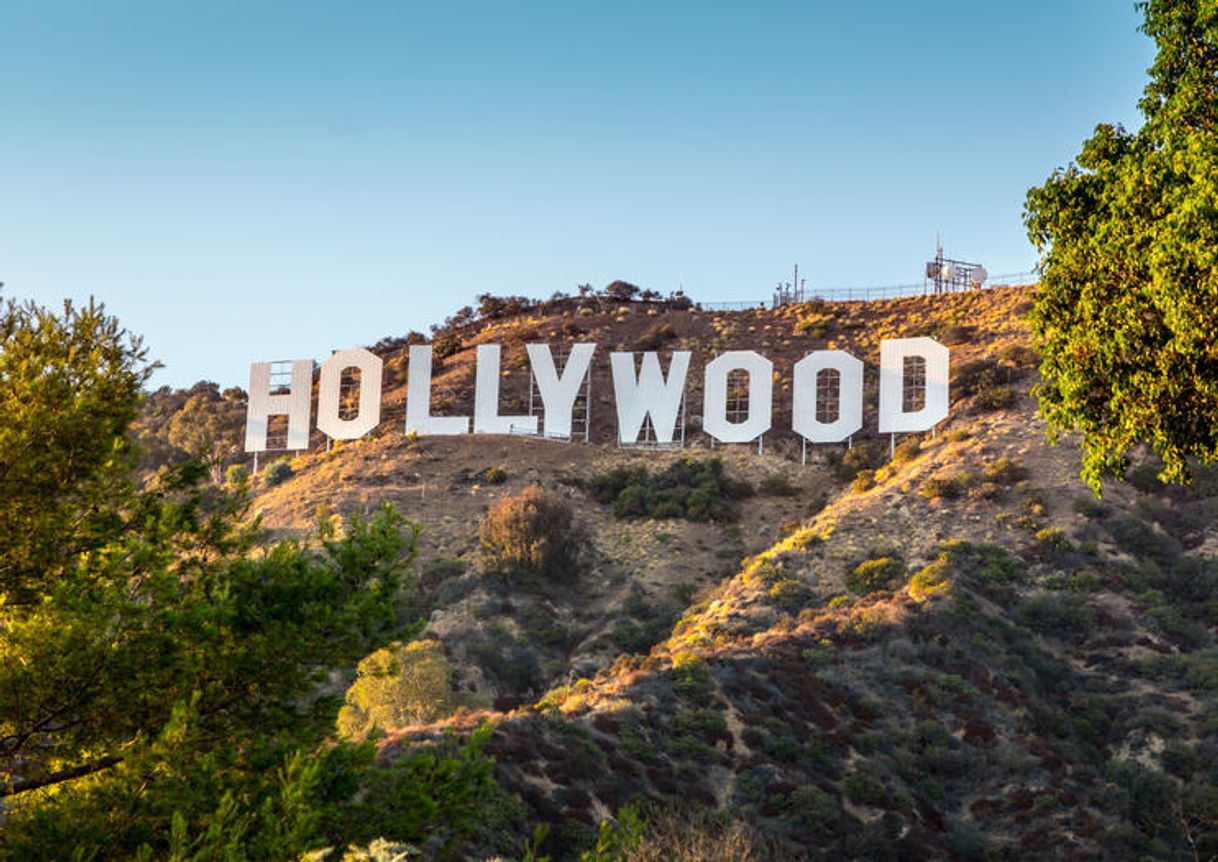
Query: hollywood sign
x=641, y=393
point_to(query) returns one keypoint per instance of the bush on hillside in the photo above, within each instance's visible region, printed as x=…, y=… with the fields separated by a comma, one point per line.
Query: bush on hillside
x=277, y=472
x=873, y=575
x=970, y=378
x=1019, y=355
x=778, y=485
x=907, y=450
x=983, y=564
x=934, y=579
x=687, y=488
x=859, y=457
x=236, y=476
x=947, y=486
x=997, y=398
x=530, y=532
x=656, y=337
x=396, y=686
x=444, y=345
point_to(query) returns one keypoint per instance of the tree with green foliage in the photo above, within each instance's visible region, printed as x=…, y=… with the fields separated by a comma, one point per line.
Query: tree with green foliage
x=210, y=424
x=398, y=685
x=160, y=660
x=1129, y=242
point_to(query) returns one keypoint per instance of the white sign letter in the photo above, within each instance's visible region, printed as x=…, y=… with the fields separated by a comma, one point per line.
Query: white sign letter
x=649, y=394
x=849, y=406
x=295, y=403
x=927, y=355
x=369, y=416
x=558, y=394
x=486, y=398
x=418, y=399
x=760, y=395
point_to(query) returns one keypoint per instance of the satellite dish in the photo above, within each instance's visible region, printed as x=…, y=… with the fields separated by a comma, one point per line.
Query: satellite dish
x=980, y=275
x=949, y=272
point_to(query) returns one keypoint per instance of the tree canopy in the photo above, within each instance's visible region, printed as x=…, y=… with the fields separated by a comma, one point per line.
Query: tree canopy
x=1129, y=243
x=160, y=659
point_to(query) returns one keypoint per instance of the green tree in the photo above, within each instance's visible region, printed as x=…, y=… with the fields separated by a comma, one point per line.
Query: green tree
x=211, y=425
x=69, y=388
x=1129, y=242
x=160, y=660
x=398, y=685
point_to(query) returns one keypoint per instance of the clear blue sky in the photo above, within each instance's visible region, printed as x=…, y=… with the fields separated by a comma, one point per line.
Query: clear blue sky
x=243, y=181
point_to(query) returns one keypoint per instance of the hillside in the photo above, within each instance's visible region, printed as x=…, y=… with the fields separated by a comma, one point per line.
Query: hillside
x=955, y=653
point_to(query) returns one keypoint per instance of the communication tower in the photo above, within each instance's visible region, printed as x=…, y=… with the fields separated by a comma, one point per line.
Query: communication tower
x=949, y=276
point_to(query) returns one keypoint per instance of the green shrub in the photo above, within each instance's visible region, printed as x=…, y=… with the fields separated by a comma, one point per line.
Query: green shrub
x=965, y=839
x=1145, y=478
x=970, y=378
x=496, y=475
x=533, y=531
x=778, y=485
x=236, y=476
x=932, y=580
x=788, y=594
x=860, y=456
x=702, y=723
x=1055, y=613
x=947, y=487
x=1005, y=471
x=907, y=450
x=277, y=472
x=1054, y=538
x=864, y=480
x=983, y=563
x=863, y=788
x=513, y=664
x=691, y=676
x=1192, y=579
x=398, y=685
x=1089, y=508
x=697, y=490
x=1019, y=355
x=1201, y=669
x=1173, y=623
x=1139, y=539
x=806, y=539
x=1150, y=795
x=444, y=345
x=997, y=398
x=873, y=575
x=812, y=805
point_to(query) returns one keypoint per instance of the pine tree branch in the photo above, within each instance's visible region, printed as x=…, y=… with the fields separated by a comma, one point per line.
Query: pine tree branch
x=25, y=785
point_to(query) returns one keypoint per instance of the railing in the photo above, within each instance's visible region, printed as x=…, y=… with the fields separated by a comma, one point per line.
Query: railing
x=874, y=294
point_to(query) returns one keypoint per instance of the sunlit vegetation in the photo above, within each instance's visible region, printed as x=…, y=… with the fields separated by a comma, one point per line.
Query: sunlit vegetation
x=691, y=488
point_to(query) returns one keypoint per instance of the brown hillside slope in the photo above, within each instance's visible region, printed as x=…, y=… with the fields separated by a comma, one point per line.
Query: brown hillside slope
x=641, y=573
x=1045, y=687
x=956, y=654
